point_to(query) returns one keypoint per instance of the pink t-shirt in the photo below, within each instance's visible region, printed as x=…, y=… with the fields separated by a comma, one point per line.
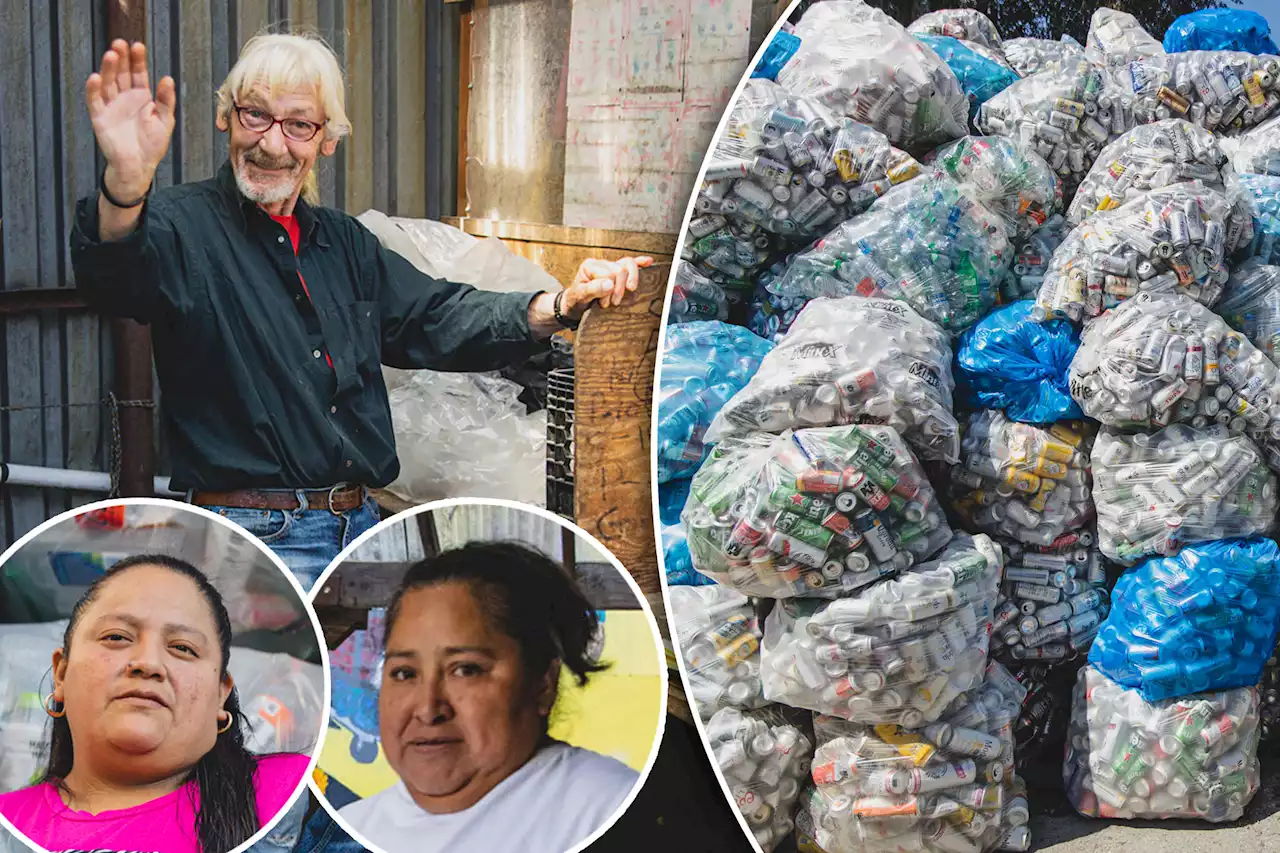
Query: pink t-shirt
x=164, y=825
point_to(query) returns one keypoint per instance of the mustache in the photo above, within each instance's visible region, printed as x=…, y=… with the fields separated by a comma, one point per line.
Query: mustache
x=258, y=157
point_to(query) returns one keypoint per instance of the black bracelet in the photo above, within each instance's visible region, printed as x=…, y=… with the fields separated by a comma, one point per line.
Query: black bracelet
x=560, y=318
x=102, y=187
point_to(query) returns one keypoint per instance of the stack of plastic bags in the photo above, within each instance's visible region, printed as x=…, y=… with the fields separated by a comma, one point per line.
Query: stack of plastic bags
x=1220, y=29
x=860, y=63
x=1156, y=493
x=926, y=243
x=1030, y=56
x=897, y=652
x=1251, y=305
x=817, y=512
x=1010, y=179
x=1116, y=38
x=1170, y=240
x=853, y=360
x=1220, y=90
x=719, y=641
x=1263, y=192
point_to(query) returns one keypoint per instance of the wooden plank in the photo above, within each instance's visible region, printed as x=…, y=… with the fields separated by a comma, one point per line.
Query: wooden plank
x=359, y=64
x=160, y=62
x=615, y=355
x=222, y=56
x=194, y=91
x=465, y=32
x=304, y=15
x=636, y=242
x=252, y=18
x=329, y=16
x=25, y=445
x=409, y=144
x=384, y=82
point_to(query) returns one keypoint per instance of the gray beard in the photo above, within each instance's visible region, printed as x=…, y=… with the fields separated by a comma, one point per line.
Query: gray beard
x=273, y=194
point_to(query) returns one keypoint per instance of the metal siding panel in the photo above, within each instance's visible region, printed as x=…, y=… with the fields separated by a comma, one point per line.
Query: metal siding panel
x=160, y=52
x=383, y=82
x=359, y=160
x=328, y=166
x=195, y=90
x=447, y=115
x=252, y=18
x=410, y=111
x=223, y=55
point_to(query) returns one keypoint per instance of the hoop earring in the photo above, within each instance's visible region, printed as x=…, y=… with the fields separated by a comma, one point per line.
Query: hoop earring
x=62, y=712
x=227, y=727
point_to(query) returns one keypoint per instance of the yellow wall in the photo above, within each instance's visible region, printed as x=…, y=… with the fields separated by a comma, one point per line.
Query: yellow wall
x=616, y=714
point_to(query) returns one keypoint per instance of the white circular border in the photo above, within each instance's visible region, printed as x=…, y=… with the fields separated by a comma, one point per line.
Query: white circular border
x=564, y=524
x=653, y=436
x=303, y=597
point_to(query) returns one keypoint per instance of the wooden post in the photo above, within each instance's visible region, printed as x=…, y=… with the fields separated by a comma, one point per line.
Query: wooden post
x=127, y=19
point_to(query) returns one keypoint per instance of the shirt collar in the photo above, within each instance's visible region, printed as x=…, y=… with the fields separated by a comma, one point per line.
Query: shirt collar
x=308, y=223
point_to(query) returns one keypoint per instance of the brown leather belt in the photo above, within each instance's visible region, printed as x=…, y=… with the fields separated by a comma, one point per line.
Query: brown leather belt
x=339, y=499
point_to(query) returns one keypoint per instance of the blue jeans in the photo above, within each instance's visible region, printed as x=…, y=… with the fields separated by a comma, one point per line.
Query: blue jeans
x=283, y=837
x=323, y=835
x=307, y=540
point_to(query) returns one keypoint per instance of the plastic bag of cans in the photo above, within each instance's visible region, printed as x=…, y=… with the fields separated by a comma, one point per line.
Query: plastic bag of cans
x=817, y=512
x=676, y=562
x=1220, y=29
x=787, y=166
x=1219, y=90
x=1029, y=56
x=1032, y=260
x=719, y=640
x=765, y=759
x=1010, y=179
x=853, y=360
x=1012, y=363
x=695, y=297
x=1023, y=482
x=898, y=651
x=1205, y=619
x=1166, y=241
x=926, y=243
x=703, y=365
x=1192, y=757
x=771, y=314
x=945, y=787
x=982, y=74
x=1161, y=359
x=967, y=24
x=1116, y=38
x=1269, y=696
x=1066, y=115
x=1052, y=603
x=860, y=63
x=1263, y=192
x=1258, y=151
x=1181, y=485
x=1251, y=305
x=1153, y=156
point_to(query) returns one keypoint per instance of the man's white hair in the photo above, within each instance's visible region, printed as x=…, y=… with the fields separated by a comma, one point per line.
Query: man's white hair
x=289, y=62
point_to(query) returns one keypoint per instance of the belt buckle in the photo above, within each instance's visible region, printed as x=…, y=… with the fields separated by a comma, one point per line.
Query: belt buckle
x=331, y=509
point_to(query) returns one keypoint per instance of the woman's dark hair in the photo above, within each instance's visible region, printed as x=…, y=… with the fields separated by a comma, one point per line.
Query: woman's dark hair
x=228, y=814
x=523, y=593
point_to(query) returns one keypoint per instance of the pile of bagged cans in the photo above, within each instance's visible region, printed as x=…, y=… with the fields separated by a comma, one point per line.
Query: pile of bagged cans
x=1089, y=243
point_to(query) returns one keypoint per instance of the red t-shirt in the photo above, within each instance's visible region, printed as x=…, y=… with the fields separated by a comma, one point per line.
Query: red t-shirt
x=291, y=227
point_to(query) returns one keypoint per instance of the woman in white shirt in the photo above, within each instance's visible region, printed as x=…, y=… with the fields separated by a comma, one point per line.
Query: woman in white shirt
x=476, y=639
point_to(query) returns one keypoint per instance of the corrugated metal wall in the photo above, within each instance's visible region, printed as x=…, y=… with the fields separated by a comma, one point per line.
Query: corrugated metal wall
x=402, y=94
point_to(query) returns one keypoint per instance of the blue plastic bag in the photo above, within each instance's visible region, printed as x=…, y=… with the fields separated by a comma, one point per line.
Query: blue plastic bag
x=776, y=55
x=980, y=78
x=671, y=500
x=1010, y=362
x=675, y=548
x=1263, y=192
x=1220, y=29
x=771, y=315
x=703, y=365
x=1203, y=620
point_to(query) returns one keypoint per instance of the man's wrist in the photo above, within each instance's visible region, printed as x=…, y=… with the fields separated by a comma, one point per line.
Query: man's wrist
x=125, y=188
x=542, y=316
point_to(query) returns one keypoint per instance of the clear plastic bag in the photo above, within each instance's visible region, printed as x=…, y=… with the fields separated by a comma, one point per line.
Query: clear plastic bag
x=1023, y=482
x=695, y=297
x=1052, y=602
x=719, y=640
x=772, y=314
x=853, y=360
x=1116, y=38
x=1263, y=192
x=1205, y=619
x=764, y=758
x=981, y=74
x=898, y=651
x=1009, y=178
x=1163, y=359
x=1154, y=156
x=467, y=434
x=1251, y=305
x=1192, y=757
x=1066, y=114
x=1032, y=260
x=1156, y=493
x=1010, y=362
x=1030, y=56
x=1170, y=241
x=968, y=24
x=1257, y=151
x=1220, y=29
x=947, y=787
x=1219, y=90
x=817, y=512
x=858, y=62
x=925, y=243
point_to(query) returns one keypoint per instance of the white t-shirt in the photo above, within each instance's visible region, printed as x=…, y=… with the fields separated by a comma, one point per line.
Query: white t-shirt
x=555, y=801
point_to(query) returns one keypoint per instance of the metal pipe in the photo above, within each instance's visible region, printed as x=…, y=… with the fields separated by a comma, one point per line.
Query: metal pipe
x=76, y=481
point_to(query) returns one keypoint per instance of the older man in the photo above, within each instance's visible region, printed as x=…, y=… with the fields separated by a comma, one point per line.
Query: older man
x=271, y=316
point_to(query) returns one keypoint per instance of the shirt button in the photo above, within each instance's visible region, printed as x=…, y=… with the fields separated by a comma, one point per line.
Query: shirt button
x=348, y=463
x=316, y=353
x=279, y=239
x=333, y=410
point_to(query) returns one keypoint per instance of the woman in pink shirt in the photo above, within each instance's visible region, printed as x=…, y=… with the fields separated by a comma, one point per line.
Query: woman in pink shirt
x=147, y=751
